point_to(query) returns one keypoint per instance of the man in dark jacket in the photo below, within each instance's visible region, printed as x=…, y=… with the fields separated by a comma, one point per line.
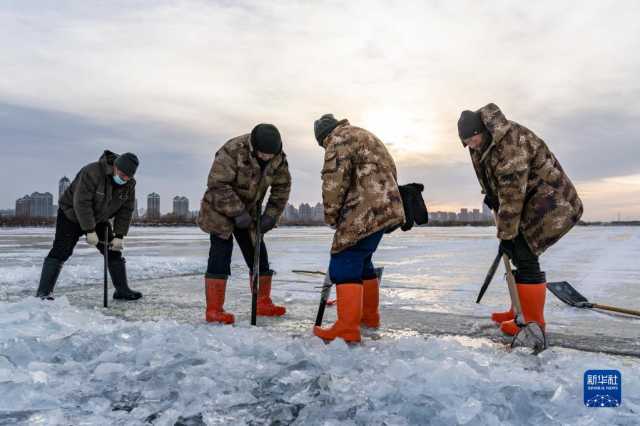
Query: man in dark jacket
x=243, y=170
x=534, y=200
x=101, y=191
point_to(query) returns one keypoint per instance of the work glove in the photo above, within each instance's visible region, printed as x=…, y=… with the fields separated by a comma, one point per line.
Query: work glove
x=117, y=244
x=242, y=221
x=267, y=223
x=92, y=238
x=507, y=247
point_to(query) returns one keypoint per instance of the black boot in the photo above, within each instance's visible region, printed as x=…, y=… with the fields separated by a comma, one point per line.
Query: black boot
x=118, y=273
x=50, y=271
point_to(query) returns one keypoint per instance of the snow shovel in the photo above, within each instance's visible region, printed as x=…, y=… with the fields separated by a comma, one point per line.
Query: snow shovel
x=255, y=277
x=569, y=295
x=105, y=297
x=530, y=334
x=326, y=290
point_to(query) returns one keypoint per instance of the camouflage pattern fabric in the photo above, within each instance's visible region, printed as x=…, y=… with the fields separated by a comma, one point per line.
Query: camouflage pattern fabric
x=93, y=198
x=535, y=196
x=359, y=186
x=236, y=184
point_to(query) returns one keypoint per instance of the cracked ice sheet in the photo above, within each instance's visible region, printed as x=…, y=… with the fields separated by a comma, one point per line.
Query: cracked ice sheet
x=60, y=364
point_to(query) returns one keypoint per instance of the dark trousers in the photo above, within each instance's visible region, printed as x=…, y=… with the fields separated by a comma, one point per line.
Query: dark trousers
x=354, y=264
x=68, y=233
x=526, y=263
x=219, y=265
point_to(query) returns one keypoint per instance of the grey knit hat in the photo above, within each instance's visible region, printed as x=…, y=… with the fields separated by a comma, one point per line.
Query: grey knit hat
x=323, y=126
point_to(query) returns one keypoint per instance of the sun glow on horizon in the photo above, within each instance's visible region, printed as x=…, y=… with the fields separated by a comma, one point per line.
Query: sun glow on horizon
x=401, y=132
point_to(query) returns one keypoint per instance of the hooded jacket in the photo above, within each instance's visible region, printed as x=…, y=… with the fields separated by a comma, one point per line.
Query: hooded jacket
x=535, y=196
x=359, y=186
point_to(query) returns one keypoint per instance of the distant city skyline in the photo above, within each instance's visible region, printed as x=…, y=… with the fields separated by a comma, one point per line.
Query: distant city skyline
x=180, y=205
x=37, y=204
x=40, y=205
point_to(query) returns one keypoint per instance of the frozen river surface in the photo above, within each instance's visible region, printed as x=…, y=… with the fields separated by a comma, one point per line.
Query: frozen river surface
x=157, y=362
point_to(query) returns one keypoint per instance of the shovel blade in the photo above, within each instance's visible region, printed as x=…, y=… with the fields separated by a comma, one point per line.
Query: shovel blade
x=569, y=295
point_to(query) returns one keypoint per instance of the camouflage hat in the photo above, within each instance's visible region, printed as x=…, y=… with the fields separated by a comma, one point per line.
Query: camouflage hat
x=470, y=124
x=323, y=126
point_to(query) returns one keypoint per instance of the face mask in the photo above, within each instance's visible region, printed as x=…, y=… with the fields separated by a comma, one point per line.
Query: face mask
x=118, y=180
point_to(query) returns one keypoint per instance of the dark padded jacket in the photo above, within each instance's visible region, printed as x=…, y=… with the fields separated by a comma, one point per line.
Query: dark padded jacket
x=93, y=197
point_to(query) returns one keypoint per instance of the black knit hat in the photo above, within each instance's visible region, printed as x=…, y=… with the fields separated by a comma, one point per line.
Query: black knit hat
x=266, y=139
x=323, y=126
x=470, y=124
x=127, y=163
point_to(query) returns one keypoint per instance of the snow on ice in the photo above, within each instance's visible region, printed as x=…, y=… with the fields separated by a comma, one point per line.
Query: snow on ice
x=65, y=365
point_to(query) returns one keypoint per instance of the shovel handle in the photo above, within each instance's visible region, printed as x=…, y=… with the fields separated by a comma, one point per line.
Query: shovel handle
x=300, y=271
x=614, y=309
x=513, y=290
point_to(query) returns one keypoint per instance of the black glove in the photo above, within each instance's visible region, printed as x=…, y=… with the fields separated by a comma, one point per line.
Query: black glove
x=507, y=247
x=415, y=210
x=242, y=221
x=267, y=223
x=492, y=202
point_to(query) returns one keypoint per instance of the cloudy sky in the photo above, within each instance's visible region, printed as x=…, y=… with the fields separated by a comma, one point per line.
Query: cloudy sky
x=173, y=80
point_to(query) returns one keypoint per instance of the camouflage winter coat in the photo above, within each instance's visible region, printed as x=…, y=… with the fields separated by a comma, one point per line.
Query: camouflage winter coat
x=359, y=186
x=236, y=183
x=535, y=196
x=93, y=197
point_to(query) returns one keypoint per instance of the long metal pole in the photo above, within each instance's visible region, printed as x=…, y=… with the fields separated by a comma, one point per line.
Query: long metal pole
x=105, y=299
x=255, y=277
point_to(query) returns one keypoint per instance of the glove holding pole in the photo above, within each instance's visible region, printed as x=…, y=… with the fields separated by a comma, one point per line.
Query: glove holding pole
x=92, y=238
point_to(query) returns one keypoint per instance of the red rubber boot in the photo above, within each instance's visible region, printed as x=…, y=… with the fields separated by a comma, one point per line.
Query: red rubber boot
x=347, y=326
x=370, y=303
x=215, y=289
x=500, y=317
x=532, y=299
x=266, y=308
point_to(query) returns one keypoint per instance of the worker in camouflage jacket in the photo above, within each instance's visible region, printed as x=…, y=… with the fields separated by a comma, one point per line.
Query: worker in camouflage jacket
x=361, y=201
x=102, y=190
x=242, y=172
x=534, y=201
